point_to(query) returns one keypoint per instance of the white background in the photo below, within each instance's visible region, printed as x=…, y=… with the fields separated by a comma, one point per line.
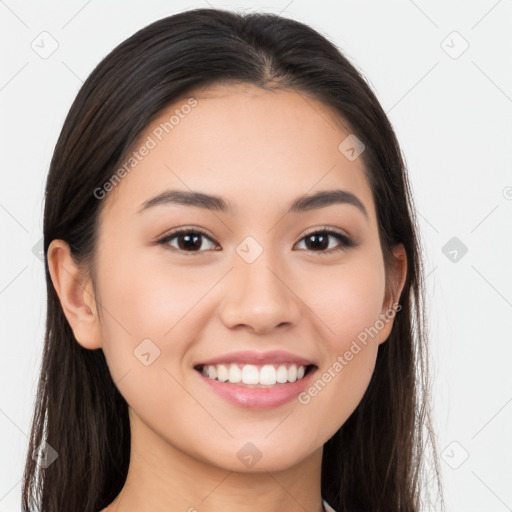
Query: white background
x=453, y=118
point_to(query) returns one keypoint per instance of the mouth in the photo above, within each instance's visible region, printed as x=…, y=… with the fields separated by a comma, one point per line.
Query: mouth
x=256, y=375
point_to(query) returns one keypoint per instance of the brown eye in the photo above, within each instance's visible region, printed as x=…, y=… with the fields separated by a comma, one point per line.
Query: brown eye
x=191, y=241
x=320, y=241
x=188, y=240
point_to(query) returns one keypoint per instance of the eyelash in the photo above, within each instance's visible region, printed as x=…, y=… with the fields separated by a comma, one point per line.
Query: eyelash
x=346, y=242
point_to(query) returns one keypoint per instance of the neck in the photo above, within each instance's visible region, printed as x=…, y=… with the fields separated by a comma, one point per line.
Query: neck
x=162, y=478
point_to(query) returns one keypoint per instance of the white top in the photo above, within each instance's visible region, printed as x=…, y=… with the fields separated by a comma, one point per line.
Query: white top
x=327, y=507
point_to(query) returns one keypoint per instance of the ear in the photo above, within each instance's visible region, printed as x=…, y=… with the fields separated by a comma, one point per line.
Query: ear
x=76, y=295
x=395, y=281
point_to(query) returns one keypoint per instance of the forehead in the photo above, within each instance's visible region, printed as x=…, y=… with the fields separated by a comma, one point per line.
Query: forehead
x=251, y=145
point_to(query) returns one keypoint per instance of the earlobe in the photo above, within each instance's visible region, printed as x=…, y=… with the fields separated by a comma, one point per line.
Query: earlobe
x=394, y=286
x=75, y=293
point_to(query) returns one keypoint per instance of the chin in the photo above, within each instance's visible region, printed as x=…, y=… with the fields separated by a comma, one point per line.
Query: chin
x=259, y=456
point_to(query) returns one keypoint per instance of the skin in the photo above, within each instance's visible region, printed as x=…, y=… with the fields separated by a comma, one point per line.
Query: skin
x=259, y=150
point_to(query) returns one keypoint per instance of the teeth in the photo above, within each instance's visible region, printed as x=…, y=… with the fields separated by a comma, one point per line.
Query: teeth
x=222, y=373
x=235, y=374
x=282, y=374
x=268, y=375
x=212, y=372
x=252, y=375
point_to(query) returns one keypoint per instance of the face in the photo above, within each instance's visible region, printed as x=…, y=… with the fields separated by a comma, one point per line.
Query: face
x=257, y=277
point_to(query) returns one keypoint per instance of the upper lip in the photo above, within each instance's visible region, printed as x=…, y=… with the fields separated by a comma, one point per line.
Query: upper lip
x=254, y=357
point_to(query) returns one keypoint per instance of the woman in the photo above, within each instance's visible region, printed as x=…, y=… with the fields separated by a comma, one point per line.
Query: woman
x=235, y=313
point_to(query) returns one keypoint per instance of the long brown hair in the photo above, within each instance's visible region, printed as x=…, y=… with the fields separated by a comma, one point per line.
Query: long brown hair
x=375, y=461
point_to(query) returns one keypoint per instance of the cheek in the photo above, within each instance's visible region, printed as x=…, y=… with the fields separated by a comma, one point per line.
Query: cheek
x=346, y=299
x=346, y=302
x=150, y=315
x=150, y=298
x=151, y=295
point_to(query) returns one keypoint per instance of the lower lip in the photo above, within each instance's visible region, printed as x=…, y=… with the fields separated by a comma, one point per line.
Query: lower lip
x=258, y=398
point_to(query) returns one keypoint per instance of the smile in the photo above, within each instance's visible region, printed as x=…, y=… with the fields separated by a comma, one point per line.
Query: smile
x=251, y=375
x=287, y=382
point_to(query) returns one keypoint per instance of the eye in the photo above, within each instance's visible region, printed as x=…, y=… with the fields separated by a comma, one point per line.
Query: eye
x=189, y=240
x=318, y=241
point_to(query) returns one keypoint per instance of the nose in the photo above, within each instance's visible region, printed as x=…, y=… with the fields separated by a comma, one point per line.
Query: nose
x=260, y=297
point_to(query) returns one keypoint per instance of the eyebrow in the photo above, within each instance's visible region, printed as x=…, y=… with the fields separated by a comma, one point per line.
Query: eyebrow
x=210, y=202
